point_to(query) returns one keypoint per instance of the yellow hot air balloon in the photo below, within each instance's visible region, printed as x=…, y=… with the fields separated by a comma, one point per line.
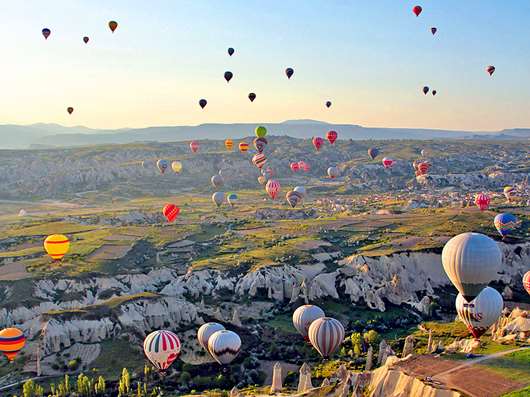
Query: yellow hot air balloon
x=176, y=166
x=229, y=144
x=57, y=245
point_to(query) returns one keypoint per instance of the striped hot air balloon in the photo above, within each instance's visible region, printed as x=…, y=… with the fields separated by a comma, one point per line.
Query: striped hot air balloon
x=171, y=211
x=57, y=245
x=229, y=144
x=243, y=147
x=387, y=163
x=224, y=346
x=482, y=201
x=480, y=313
x=304, y=316
x=206, y=331
x=273, y=188
x=162, y=348
x=326, y=334
x=259, y=160
x=526, y=282
x=332, y=136
x=422, y=168
x=293, y=198
x=505, y=223
x=12, y=340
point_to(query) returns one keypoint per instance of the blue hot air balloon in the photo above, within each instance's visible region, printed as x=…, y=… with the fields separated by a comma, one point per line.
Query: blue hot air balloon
x=505, y=223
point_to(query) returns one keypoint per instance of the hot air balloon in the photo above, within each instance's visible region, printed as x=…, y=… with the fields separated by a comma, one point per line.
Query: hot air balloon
x=482, y=201
x=423, y=152
x=301, y=190
x=70, y=110
x=86, y=39
x=480, y=313
x=218, y=198
x=526, y=281
x=260, y=131
x=434, y=92
x=471, y=261
x=260, y=143
x=304, y=166
x=251, y=96
x=231, y=198
x=194, y=146
x=417, y=10
x=490, y=69
x=295, y=167
x=243, y=147
x=176, y=166
x=162, y=348
x=422, y=168
x=228, y=76
x=328, y=104
x=317, y=142
x=207, y=330
x=203, y=103
x=293, y=198
x=326, y=334
x=505, y=223
x=434, y=30
x=508, y=192
x=46, y=33
x=57, y=245
x=217, y=181
x=12, y=341
x=303, y=316
x=425, y=90
x=331, y=136
x=162, y=165
x=373, y=152
x=262, y=180
x=289, y=72
x=224, y=346
x=113, y=25
x=22, y=212
x=259, y=160
x=333, y=172
x=273, y=188
x=171, y=211
x=231, y=51
x=229, y=144
x=387, y=163
x=267, y=172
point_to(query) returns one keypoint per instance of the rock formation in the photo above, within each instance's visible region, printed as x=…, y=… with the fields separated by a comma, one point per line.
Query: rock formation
x=277, y=378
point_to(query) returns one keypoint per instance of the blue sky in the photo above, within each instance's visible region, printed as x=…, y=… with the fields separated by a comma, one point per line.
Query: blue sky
x=370, y=58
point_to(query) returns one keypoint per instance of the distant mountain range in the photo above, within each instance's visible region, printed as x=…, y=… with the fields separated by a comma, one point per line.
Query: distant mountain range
x=54, y=135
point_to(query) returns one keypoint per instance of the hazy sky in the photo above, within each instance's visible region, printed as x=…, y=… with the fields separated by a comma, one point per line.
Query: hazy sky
x=370, y=57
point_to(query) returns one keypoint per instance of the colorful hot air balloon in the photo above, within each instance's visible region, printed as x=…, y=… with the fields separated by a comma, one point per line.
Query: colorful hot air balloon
x=203, y=103
x=57, y=245
x=162, y=165
x=295, y=167
x=218, y=198
x=417, y=10
x=260, y=131
x=289, y=72
x=526, y=281
x=243, y=147
x=12, y=341
x=480, y=313
x=231, y=51
x=293, y=198
x=194, y=146
x=217, y=181
x=231, y=198
x=176, y=166
x=262, y=179
x=508, y=192
x=267, y=172
x=373, y=152
x=317, y=142
x=303, y=316
x=333, y=172
x=207, y=330
x=70, y=110
x=162, y=348
x=422, y=168
x=224, y=346
x=171, y=211
x=86, y=39
x=113, y=25
x=229, y=144
x=434, y=30
x=228, y=76
x=259, y=160
x=328, y=104
x=471, y=261
x=273, y=188
x=490, y=70
x=260, y=143
x=425, y=90
x=387, y=163
x=251, y=96
x=505, y=223
x=46, y=33
x=482, y=201
x=331, y=136
x=326, y=334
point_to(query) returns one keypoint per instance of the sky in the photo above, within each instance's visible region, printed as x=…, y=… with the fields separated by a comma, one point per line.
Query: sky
x=371, y=58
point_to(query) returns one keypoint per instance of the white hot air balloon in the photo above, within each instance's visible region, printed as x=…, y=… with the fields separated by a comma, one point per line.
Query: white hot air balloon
x=22, y=212
x=224, y=346
x=333, y=172
x=162, y=348
x=207, y=330
x=326, y=334
x=304, y=316
x=217, y=181
x=482, y=312
x=471, y=261
x=218, y=198
x=301, y=190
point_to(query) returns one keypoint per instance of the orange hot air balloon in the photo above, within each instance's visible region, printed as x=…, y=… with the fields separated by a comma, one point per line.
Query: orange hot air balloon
x=243, y=147
x=113, y=25
x=194, y=146
x=229, y=144
x=70, y=110
x=12, y=340
x=171, y=211
x=57, y=245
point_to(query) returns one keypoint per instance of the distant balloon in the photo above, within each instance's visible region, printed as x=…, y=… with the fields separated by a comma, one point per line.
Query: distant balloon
x=317, y=142
x=56, y=246
x=289, y=72
x=434, y=30
x=425, y=90
x=171, y=211
x=228, y=76
x=331, y=136
x=231, y=198
x=259, y=160
x=260, y=143
x=293, y=198
x=267, y=172
x=229, y=144
x=162, y=165
x=113, y=25
x=224, y=346
x=86, y=39
x=422, y=168
x=417, y=10
x=490, y=69
x=303, y=316
x=206, y=331
x=262, y=179
x=260, y=131
x=203, y=103
x=217, y=181
x=194, y=146
x=326, y=334
x=505, y=223
x=304, y=166
x=388, y=163
x=508, y=192
x=176, y=166
x=295, y=167
x=526, y=281
x=373, y=152
x=218, y=198
x=328, y=104
x=243, y=147
x=434, y=92
x=12, y=341
x=301, y=190
x=70, y=110
x=480, y=313
x=423, y=152
x=273, y=188
x=231, y=51
x=46, y=33
x=162, y=348
x=333, y=172
x=482, y=201
x=251, y=96
x=22, y=213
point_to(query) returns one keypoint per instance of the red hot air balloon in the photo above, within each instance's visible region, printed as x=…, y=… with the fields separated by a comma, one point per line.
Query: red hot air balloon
x=490, y=70
x=417, y=10
x=526, y=281
x=434, y=30
x=86, y=39
x=289, y=72
x=482, y=201
x=332, y=136
x=388, y=163
x=203, y=103
x=113, y=25
x=422, y=168
x=70, y=110
x=259, y=160
x=273, y=188
x=171, y=211
x=194, y=146
x=317, y=142
x=304, y=166
x=295, y=167
x=46, y=33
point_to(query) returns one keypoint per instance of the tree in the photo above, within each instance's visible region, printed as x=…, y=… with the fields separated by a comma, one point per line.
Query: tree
x=100, y=386
x=31, y=389
x=125, y=383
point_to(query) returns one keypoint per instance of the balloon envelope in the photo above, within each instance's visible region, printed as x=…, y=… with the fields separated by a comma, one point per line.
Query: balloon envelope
x=228, y=76
x=231, y=198
x=482, y=201
x=260, y=131
x=162, y=165
x=304, y=315
x=194, y=146
x=417, y=10
x=333, y=172
x=434, y=30
x=326, y=334
x=70, y=110
x=259, y=160
x=203, y=103
x=85, y=39
x=300, y=189
x=224, y=346
x=46, y=33
x=260, y=143
x=171, y=211
x=229, y=144
x=231, y=51
x=505, y=223
x=332, y=136
x=218, y=198
x=425, y=90
x=526, y=282
x=176, y=166
x=328, y=104
x=207, y=330
x=251, y=96
x=243, y=147
x=273, y=188
x=387, y=163
x=217, y=181
x=490, y=70
x=113, y=25
x=57, y=245
x=12, y=341
x=480, y=313
x=289, y=72
x=373, y=152
x=317, y=142
x=293, y=198
x=162, y=348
